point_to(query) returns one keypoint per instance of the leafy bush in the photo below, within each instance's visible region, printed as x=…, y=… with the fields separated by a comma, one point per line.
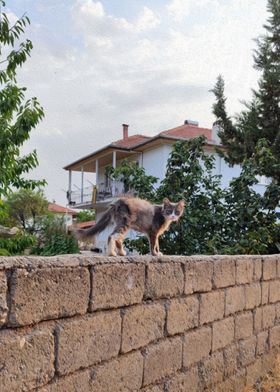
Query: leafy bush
x=4, y=252
x=54, y=239
x=85, y=216
x=18, y=244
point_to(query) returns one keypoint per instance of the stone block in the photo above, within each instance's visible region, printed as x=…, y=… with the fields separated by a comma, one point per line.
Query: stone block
x=182, y=314
x=164, y=280
x=182, y=382
x=224, y=273
x=162, y=360
x=230, y=358
x=244, y=270
x=212, y=306
x=26, y=360
x=244, y=325
x=119, y=375
x=247, y=351
x=199, y=276
x=262, y=342
x=126, y=283
x=197, y=345
x=268, y=316
x=253, y=295
x=48, y=293
x=77, y=382
x=223, y=333
x=235, y=299
x=269, y=268
x=274, y=291
x=212, y=370
x=3, y=298
x=86, y=341
x=274, y=336
x=141, y=325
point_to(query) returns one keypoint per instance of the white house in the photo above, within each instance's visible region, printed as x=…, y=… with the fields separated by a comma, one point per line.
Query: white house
x=151, y=152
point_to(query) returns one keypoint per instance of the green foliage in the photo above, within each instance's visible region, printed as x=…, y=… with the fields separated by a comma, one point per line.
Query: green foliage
x=17, y=115
x=54, y=239
x=4, y=252
x=255, y=133
x=26, y=208
x=18, y=244
x=85, y=216
x=4, y=214
x=216, y=220
x=134, y=179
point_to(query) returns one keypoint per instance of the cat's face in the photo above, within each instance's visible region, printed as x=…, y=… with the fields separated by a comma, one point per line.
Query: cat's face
x=173, y=211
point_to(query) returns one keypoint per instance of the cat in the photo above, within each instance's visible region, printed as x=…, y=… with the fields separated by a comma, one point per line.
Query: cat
x=137, y=214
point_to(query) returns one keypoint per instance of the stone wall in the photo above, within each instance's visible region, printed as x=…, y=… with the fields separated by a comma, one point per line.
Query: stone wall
x=80, y=324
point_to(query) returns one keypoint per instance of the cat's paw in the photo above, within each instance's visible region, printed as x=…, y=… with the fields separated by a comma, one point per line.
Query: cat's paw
x=160, y=254
x=112, y=254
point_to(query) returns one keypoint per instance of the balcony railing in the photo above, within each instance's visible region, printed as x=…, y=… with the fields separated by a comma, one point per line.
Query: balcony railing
x=89, y=195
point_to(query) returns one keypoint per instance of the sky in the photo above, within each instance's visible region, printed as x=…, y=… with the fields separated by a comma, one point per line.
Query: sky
x=151, y=64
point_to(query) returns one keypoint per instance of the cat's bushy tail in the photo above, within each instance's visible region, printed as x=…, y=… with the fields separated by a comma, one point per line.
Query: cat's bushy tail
x=100, y=226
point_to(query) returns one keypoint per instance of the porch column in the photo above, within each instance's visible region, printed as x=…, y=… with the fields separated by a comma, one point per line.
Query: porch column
x=82, y=184
x=96, y=172
x=69, y=186
x=114, y=166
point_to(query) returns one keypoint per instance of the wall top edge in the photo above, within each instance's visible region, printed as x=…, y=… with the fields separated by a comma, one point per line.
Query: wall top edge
x=79, y=260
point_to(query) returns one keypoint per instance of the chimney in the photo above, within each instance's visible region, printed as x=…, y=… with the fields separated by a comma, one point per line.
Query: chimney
x=125, y=131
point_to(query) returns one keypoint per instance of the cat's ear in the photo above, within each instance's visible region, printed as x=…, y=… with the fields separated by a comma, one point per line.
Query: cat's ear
x=166, y=201
x=181, y=203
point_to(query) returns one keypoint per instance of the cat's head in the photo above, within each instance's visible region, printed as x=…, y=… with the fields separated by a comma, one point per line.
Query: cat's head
x=173, y=211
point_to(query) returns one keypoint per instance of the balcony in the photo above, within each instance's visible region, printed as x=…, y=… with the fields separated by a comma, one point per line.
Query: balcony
x=91, y=196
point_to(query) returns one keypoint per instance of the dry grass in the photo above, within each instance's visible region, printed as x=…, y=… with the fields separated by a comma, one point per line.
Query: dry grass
x=270, y=382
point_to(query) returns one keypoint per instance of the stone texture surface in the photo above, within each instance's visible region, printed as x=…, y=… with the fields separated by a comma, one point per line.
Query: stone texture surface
x=274, y=336
x=3, y=298
x=188, y=381
x=262, y=342
x=253, y=294
x=87, y=341
x=244, y=270
x=164, y=280
x=26, y=360
x=212, y=370
x=199, y=275
x=141, y=325
x=126, y=282
x=247, y=350
x=274, y=291
x=162, y=359
x=43, y=294
x=197, y=345
x=212, y=306
x=223, y=333
x=119, y=375
x=270, y=268
x=244, y=325
x=235, y=299
x=268, y=316
x=182, y=314
x=77, y=382
x=230, y=359
x=224, y=273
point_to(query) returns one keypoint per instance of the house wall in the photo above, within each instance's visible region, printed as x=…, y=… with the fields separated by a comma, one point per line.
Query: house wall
x=174, y=324
x=155, y=160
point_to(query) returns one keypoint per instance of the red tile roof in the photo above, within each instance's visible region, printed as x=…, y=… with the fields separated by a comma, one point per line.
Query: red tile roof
x=131, y=141
x=188, y=131
x=52, y=207
x=84, y=225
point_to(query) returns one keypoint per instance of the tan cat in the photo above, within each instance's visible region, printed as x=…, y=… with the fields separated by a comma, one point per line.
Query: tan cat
x=137, y=214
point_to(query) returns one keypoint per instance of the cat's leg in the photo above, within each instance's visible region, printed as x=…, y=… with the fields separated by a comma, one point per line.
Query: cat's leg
x=116, y=239
x=159, y=253
x=153, y=246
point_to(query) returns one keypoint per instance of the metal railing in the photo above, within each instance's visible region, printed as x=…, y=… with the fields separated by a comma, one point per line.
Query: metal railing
x=86, y=196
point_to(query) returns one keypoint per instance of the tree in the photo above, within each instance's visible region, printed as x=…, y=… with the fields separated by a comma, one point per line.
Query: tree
x=18, y=116
x=255, y=133
x=134, y=179
x=85, y=216
x=26, y=208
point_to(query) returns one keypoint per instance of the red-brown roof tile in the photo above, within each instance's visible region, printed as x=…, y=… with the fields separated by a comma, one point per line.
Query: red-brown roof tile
x=188, y=131
x=52, y=207
x=131, y=141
